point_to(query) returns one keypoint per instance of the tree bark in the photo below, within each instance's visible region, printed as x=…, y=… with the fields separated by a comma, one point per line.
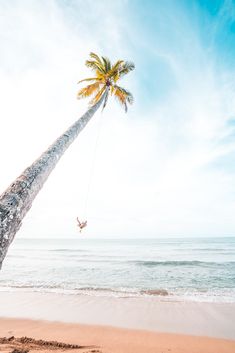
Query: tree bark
x=17, y=199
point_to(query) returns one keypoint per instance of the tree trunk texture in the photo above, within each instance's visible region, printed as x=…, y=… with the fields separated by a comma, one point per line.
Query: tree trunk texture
x=17, y=199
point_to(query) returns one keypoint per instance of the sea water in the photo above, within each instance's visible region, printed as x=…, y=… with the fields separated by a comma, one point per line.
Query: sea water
x=198, y=269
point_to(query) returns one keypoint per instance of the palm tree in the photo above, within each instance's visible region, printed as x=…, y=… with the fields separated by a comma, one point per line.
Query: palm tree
x=17, y=199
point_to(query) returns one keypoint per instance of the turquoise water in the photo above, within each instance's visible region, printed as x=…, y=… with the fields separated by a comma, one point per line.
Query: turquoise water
x=186, y=269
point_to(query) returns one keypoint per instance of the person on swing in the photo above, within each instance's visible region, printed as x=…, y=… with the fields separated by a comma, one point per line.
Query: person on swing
x=81, y=225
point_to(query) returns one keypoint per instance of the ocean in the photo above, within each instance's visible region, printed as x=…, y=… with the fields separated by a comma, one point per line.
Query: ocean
x=177, y=269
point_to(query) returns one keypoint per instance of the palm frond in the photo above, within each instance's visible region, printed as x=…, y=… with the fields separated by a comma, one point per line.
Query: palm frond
x=94, y=65
x=107, y=64
x=90, y=79
x=126, y=68
x=121, y=95
x=114, y=71
x=129, y=96
x=100, y=75
x=96, y=57
x=97, y=96
x=88, y=90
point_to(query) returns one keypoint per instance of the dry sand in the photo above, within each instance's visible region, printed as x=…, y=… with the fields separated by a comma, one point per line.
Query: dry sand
x=101, y=339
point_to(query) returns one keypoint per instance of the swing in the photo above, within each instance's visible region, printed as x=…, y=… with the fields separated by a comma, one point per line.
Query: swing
x=81, y=225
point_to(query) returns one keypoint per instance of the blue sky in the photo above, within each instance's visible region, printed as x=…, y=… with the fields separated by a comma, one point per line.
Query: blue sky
x=164, y=169
x=178, y=29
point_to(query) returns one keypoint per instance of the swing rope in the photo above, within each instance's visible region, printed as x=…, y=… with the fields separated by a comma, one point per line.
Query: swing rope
x=92, y=168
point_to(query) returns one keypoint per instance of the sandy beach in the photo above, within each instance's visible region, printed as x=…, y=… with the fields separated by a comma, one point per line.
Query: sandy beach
x=101, y=339
x=114, y=325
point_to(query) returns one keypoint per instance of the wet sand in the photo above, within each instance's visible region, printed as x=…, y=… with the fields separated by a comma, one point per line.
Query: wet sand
x=145, y=313
x=98, y=339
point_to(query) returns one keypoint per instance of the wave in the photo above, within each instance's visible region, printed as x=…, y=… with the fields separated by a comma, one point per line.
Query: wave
x=89, y=290
x=81, y=256
x=182, y=263
x=66, y=250
x=127, y=291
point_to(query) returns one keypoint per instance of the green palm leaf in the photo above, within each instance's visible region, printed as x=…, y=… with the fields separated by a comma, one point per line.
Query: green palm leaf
x=126, y=68
x=104, y=81
x=95, y=66
x=90, y=79
x=107, y=64
x=96, y=57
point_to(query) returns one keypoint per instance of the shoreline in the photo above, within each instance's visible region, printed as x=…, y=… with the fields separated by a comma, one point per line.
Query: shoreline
x=160, y=294
x=104, y=339
x=147, y=313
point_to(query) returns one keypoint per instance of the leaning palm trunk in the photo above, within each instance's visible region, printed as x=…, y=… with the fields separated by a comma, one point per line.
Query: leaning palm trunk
x=17, y=199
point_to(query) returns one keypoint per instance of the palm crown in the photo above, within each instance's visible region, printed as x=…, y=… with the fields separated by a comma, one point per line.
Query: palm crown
x=106, y=77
